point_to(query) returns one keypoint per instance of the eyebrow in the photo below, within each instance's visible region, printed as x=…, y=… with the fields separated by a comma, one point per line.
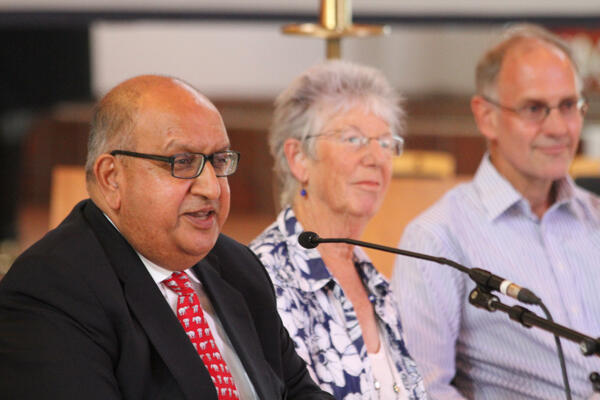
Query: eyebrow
x=387, y=132
x=540, y=101
x=179, y=147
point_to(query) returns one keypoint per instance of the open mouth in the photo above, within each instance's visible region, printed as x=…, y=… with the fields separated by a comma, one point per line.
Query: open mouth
x=202, y=219
x=201, y=214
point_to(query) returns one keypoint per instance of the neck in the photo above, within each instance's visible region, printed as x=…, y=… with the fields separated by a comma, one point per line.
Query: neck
x=320, y=218
x=540, y=198
x=326, y=224
x=539, y=192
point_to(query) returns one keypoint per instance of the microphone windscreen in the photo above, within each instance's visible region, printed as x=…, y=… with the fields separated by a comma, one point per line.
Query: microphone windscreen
x=308, y=240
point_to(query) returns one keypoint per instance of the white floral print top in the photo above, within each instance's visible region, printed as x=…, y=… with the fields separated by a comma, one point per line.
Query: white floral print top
x=322, y=321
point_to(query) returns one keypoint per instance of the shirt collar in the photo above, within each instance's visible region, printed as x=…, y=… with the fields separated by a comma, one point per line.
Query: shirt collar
x=157, y=272
x=313, y=271
x=498, y=195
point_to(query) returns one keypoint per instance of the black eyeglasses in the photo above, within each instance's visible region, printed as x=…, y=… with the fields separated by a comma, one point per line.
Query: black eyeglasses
x=190, y=165
x=537, y=112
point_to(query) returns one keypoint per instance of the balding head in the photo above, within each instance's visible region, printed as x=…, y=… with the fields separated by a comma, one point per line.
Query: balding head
x=515, y=39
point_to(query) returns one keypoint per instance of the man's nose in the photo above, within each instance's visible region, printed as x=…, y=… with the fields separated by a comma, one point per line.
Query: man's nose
x=207, y=184
x=555, y=122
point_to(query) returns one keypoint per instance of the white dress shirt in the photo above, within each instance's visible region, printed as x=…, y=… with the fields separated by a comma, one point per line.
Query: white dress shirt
x=240, y=377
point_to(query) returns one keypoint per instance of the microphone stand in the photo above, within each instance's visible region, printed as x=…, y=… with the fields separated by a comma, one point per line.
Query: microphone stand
x=482, y=298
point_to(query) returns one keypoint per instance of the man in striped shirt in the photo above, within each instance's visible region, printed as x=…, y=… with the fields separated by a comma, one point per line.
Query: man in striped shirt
x=522, y=218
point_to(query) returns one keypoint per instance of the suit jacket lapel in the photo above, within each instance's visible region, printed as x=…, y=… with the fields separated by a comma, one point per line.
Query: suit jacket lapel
x=234, y=315
x=152, y=311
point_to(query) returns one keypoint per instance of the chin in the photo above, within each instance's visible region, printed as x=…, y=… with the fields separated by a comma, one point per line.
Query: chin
x=553, y=174
x=558, y=169
x=364, y=211
x=200, y=246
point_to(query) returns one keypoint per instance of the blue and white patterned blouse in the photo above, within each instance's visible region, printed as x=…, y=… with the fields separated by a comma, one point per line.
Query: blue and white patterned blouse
x=321, y=319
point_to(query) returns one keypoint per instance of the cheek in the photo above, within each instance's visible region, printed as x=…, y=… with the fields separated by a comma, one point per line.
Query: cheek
x=513, y=132
x=387, y=171
x=517, y=139
x=224, y=200
x=338, y=175
x=162, y=203
x=575, y=130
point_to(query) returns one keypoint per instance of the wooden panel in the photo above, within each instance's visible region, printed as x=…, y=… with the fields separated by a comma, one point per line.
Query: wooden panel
x=406, y=199
x=67, y=189
x=51, y=141
x=424, y=164
x=466, y=149
x=251, y=185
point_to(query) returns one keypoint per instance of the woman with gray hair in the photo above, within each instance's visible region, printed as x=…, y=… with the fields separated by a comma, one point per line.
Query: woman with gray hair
x=333, y=137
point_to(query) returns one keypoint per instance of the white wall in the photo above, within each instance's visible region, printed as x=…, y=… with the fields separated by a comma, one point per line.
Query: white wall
x=256, y=60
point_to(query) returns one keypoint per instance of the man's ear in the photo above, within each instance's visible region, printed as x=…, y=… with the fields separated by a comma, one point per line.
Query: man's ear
x=485, y=116
x=296, y=159
x=108, y=175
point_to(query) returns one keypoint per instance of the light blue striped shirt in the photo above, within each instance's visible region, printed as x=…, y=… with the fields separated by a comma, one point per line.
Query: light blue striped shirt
x=486, y=223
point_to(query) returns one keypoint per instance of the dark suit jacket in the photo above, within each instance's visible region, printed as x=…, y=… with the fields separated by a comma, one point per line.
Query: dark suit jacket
x=81, y=318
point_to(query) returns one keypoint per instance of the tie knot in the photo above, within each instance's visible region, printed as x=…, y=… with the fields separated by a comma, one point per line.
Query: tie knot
x=179, y=283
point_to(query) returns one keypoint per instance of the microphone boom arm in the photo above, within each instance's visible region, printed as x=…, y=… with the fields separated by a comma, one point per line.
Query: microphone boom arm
x=480, y=276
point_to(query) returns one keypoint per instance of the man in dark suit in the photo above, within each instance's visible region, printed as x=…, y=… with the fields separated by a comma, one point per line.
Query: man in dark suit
x=87, y=312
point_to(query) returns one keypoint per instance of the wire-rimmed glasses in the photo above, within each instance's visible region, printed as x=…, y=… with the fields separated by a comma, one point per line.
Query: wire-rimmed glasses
x=537, y=112
x=356, y=140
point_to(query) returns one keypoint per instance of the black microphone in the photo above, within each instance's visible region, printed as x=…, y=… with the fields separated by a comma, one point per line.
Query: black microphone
x=308, y=240
x=486, y=279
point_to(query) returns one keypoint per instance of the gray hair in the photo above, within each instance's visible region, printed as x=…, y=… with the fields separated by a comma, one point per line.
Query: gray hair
x=488, y=67
x=112, y=125
x=332, y=86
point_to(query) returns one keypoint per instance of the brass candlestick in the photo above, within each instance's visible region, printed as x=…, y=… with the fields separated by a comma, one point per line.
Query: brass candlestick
x=336, y=23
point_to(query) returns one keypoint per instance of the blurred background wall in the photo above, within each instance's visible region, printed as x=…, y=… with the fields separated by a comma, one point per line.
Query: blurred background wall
x=59, y=56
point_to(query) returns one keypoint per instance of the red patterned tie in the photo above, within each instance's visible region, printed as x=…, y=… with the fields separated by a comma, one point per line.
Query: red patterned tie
x=191, y=316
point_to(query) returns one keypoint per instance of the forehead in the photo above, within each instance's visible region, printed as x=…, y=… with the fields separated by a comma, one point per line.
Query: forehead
x=358, y=116
x=180, y=122
x=198, y=97
x=537, y=70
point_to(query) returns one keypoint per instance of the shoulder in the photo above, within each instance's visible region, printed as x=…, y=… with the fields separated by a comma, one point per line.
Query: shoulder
x=66, y=273
x=233, y=254
x=272, y=248
x=590, y=203
x=237, y=264
x=268, y=240
x=452, y=206
x=72, y=242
